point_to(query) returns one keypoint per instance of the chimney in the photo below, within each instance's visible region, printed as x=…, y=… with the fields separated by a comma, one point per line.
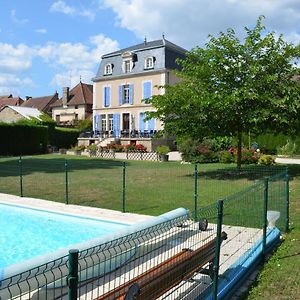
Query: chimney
x=65, y=96
x=28, y=97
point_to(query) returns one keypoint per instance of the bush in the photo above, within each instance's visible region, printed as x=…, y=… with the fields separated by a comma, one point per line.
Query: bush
x=226, y=157
x=140, y=147
x=266, y=160
x=63, y=137
x=290, y=148
x=21, y=139
x=188, y=148
x=249, y=156
x=162, y=150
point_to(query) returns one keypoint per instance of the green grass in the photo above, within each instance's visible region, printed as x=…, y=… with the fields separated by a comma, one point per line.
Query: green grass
x=153, y=188
x=280, y=277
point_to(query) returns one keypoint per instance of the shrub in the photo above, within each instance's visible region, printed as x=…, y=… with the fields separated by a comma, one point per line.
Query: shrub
x=266, y=160
x=92, y=147
x=188, y=148
x=226, y=157
x=249, y=156
x=140, y=147
x=162, y=150
x=290, y=148
x=20, y=139
x=63, y=137
x=129, y=147
x=115, y=147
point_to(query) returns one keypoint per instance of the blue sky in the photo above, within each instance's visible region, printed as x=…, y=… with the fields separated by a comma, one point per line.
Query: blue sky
x=48, y=44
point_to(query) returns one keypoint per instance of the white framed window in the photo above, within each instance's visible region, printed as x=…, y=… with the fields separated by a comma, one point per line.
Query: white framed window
x=127, y=66
x=108, y=69
x=125, y=99
x=149, y=62
x=110, y=122
x=103, y=122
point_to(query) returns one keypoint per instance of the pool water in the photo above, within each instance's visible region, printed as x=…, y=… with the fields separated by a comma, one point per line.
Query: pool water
x=26, y=233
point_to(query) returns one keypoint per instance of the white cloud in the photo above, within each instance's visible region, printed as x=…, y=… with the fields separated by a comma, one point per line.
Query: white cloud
x=189, y=22
x=12, y=84
x=61, y=7
x=66, y=60
x=16, y=19
x=41, y=30
x=15, y=59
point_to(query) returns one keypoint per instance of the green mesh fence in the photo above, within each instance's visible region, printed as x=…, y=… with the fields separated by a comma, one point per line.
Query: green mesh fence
x=9, y=176
x=154, y=188
x=149, y=188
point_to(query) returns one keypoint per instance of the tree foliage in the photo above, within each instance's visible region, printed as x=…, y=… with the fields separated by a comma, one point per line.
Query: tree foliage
x=231, y=87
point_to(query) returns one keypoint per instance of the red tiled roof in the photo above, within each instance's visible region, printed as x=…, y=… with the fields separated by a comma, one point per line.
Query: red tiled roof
x=16, y=101
x=41, y=103
x=82, y=93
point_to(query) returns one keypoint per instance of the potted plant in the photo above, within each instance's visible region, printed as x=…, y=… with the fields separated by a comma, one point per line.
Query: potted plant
x=77, y=149
x=92, y=149
x=163, y=151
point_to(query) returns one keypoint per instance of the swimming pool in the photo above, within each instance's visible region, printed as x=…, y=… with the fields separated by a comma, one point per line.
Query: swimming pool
x=26, y=233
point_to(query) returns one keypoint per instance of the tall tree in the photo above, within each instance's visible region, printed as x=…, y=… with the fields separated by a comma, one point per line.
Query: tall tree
x=232, y=87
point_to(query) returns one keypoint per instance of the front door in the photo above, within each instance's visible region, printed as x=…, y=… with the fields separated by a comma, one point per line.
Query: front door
x=126, y=118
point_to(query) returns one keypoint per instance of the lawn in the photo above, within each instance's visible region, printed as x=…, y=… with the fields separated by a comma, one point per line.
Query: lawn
x=280, y=277
x=153, y=188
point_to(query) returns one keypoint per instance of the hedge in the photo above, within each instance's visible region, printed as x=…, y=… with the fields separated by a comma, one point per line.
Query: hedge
x=63, y=137
x=270, y=142
x=21, y=139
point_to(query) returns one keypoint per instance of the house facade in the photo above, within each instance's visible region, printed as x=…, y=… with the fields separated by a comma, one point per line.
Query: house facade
x=124, y=80
x=75, y=104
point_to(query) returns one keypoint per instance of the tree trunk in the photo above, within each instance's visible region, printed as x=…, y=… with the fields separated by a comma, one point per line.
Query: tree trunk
x=239, y=150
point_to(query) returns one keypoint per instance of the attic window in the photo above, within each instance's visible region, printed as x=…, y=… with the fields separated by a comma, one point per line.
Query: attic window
x=128, y=61
x=149, y=62
x=108, y=69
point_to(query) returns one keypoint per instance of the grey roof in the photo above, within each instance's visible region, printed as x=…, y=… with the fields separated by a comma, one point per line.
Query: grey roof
x=164, y=52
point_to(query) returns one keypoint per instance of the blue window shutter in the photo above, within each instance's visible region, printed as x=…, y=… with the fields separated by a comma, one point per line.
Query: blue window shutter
x=120, y=94
x=104, y=97
x=151, y=124
x=131, y=94
x=108, y=96
x=116, y=118
x=142, y=122
x=100, y=123
x=95, y=123
x=147, y=90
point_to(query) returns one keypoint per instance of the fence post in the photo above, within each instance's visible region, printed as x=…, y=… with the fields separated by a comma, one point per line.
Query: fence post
x=72, y=279
x=265, y=223
x=21, y=175
x=195, y=191
x=67, y=183
x=218, y=248
x=123, y=186
x=287, y=202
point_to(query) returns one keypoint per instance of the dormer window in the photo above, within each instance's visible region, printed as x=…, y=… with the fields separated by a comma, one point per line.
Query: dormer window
x=128, y=61
x=149, y=62
x=108, y=69
x=127, y=66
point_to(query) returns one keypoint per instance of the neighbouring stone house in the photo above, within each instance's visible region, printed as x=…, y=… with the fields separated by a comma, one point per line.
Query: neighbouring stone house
x=10, y=114
x=75, y=104
x=43, y=103
x=124, y=80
